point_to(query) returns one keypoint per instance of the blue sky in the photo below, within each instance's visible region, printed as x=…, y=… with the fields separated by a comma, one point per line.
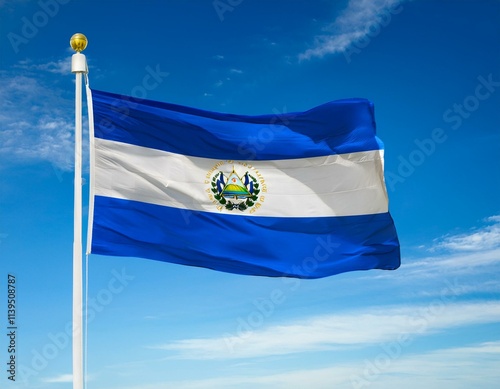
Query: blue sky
x=432, y=69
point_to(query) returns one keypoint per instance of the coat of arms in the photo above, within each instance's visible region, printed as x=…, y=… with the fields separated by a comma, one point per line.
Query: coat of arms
x=235, y=192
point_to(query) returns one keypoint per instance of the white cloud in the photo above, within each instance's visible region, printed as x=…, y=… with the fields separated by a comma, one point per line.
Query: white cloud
x=63, y=378
x=474, y=257
x=474, y=366
x=485, y=238
x=352, y=25
x=356, y=338
x=471, y=366
x=62, y=66
x=36, y=123
x=452, y=264
x=362, y=328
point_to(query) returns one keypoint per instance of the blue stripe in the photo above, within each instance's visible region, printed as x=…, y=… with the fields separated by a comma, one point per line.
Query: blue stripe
x=338, y=127
x=245, y=245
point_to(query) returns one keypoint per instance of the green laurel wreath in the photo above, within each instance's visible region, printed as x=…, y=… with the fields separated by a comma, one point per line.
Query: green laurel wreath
x=228, y=204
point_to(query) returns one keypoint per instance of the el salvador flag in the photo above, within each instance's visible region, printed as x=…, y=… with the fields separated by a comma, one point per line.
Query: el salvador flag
x=293, y=195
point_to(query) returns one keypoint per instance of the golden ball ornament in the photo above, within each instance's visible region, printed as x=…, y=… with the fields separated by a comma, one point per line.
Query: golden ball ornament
x=78, y=42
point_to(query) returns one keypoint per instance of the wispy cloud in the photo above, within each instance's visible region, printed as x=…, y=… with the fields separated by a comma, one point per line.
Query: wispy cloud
x=485, y=238
x=440, y=280
x=63, y=378
x=449, y=265
x=225, y=77
x=475, y=253
x=61, y=66
x=36, y=121
x=470, y=366
x=444, y=294
x=352, y=25
x=371, y=326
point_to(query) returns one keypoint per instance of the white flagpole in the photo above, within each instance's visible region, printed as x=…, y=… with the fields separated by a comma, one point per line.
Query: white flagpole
x=78, y=66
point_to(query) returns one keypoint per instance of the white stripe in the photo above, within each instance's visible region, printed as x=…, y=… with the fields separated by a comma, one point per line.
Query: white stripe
x=336, y=185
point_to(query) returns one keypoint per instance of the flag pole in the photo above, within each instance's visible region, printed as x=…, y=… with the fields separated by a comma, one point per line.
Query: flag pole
x=78, y=67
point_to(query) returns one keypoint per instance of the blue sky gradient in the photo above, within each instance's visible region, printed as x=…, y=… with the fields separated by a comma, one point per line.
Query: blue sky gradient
x=432, y=69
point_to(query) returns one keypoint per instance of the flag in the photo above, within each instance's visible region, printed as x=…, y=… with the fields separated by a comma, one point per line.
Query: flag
x=286, y=194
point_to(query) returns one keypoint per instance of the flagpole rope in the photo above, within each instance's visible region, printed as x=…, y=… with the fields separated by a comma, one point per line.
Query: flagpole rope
x=90, y=109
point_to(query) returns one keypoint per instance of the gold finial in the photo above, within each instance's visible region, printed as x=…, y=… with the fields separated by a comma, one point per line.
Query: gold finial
x=78, y=42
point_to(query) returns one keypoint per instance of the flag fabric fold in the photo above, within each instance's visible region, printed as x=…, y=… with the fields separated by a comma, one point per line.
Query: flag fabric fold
x=293, y=195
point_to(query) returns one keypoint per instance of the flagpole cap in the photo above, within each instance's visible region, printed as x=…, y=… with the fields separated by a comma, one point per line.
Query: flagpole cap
x=78, y=42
